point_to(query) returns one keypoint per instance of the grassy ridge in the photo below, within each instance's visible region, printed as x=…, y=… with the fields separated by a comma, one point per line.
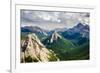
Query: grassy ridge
x=66, y=50
x=80, y=52
x=61, y=47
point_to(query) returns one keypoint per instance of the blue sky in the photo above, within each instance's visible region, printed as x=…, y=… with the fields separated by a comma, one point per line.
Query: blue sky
x=50, y=20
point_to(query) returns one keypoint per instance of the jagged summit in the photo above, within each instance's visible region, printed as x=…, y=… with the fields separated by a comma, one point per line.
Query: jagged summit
x=33, y=50
x=35, y=39
x=55, y=36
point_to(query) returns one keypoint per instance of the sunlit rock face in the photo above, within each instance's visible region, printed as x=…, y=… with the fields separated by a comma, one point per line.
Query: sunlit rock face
x=55, y=36
x=32, y=50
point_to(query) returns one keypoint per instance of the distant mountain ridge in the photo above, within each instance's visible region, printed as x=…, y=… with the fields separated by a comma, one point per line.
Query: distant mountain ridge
x=33, y=29
x=39, y=45
x=78, y=34
x=80, y=28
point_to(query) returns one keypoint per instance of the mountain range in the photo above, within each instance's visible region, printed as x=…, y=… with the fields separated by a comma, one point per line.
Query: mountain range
x=41, y=33
x=59, y=44
x=79, y=34
x=79, y=28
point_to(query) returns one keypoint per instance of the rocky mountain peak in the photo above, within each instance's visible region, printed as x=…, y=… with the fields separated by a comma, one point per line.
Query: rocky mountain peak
x=33, y=50
x=35, y=39
x=55, y=36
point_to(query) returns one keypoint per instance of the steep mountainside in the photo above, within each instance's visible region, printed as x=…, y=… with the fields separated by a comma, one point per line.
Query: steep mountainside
x=79, y=34
x=54, y=37
x=32, y=50
x=59, y=45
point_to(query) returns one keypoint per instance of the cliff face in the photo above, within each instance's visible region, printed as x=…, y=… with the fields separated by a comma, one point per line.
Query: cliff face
x=55, y=36
x=32, y=50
